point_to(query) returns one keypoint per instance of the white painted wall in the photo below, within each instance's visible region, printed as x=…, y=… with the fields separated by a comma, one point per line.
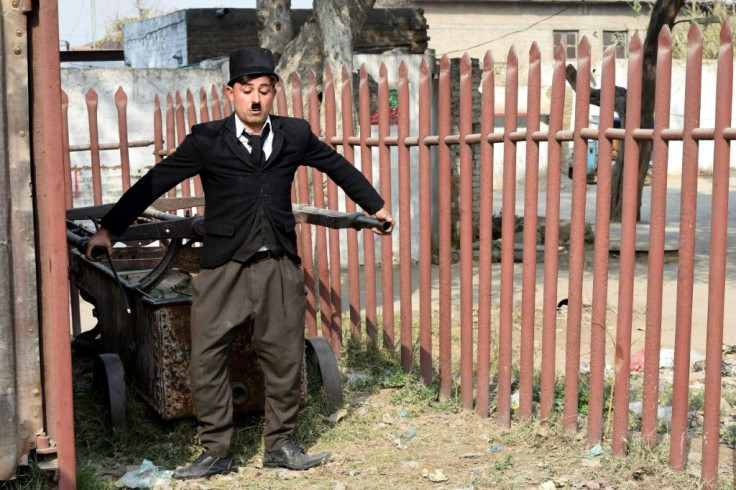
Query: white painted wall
x=141, y=86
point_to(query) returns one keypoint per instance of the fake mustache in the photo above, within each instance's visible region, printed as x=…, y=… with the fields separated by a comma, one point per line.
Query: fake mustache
x=255, y=106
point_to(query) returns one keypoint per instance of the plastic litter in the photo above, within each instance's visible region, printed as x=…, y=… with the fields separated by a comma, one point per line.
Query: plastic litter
x=664, y=414
x=666, y=359
x=146, y=476
x=337, y=416
x=515, y=400
x=637, y=361
x=495, y=448
x=596, y=450
x=438, y=475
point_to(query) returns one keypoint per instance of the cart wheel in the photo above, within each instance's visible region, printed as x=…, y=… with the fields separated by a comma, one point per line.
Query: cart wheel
x=319, y=350
x=109, y=381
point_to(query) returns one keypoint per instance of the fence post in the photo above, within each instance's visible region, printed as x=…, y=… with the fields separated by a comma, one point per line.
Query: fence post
x=577, y=239
x=486, y=237
x=628, y=242
x=508, y=222
x=445, y=231
x=425, y=227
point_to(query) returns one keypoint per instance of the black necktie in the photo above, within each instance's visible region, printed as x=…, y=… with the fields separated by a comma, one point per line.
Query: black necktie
x=256, y=145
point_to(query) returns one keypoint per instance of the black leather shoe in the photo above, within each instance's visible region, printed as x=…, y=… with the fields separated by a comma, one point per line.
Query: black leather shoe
x=293, y=458
x=204, y=466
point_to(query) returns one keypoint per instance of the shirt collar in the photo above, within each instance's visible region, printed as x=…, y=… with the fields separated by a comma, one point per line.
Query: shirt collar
x=240, y=127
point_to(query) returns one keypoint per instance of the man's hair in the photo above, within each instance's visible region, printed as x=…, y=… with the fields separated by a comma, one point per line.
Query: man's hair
x=242, y=80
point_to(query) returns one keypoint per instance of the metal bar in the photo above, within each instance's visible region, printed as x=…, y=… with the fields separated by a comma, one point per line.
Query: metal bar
x=158, y=133
x=170, y=133
x=425, y=228
x=92, y=55
x=657, y=222
x=465, y=126
x=598, y=327
x=352, y=235
x=227, y=106
x=369, y=247
x=51, y=293
x=407, y=355
x=325, y=304
x=305, y=231
x=628, y=243
x=181, y=133
x=217, y=111
x=204, y=114
x=69, y=200
x=577, y=240
x=387, y=261
x=112, y=146
x=551, y=236
x=717, y=273
x=445, y=232
x=531, y=208
x=119, y=284
x=485, y=237
x=334, y=237
x=121, y=103
x=91, y=100
x=686, y=269
x=508, y=222
x=282, y=108
x=191, y=121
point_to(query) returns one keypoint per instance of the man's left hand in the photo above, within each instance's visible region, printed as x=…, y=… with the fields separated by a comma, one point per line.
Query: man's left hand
x=385, y=216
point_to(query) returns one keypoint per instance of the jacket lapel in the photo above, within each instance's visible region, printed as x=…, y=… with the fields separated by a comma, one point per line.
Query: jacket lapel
x=234, y=143
x=278, y=140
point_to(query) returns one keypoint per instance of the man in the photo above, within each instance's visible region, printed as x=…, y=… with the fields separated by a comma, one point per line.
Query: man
x=251, y=274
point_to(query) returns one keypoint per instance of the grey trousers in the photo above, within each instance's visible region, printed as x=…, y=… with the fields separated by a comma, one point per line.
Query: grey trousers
x=268, y=299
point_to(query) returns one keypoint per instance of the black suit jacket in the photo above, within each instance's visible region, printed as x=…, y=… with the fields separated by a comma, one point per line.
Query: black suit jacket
x=234, y=185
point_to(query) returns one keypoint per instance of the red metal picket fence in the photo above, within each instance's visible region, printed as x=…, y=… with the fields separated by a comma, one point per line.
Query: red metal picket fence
x=482, y=344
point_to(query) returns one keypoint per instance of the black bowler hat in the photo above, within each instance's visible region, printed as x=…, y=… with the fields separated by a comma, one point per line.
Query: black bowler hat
x=251, y=61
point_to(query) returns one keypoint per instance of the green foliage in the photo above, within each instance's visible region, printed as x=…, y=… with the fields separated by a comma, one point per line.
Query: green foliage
x=87, y=479
x=730, y=396
x=696, y=401
x=30, y=477
x=710, y=18
x=505, y=464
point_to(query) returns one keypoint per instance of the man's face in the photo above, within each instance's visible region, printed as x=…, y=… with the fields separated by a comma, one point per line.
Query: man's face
x=252, y=101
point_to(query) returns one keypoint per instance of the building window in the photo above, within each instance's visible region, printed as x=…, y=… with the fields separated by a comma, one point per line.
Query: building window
x=570, y=40
x=620, y=39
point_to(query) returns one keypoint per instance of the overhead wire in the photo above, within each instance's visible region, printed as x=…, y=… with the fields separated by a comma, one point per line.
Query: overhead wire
x=516, y=31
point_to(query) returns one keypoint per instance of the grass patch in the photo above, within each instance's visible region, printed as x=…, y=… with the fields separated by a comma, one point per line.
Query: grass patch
x=392, y=431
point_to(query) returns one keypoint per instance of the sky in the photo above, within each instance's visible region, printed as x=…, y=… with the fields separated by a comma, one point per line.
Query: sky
x=75, y=16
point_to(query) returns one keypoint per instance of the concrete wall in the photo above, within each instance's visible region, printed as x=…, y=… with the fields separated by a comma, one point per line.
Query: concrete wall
x=476, y=27
x=160, y=42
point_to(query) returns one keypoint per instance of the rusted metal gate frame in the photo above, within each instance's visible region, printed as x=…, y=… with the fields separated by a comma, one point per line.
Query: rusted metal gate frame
x=20, y=374
x=35, y=306
x=329, y=288
x=49, y=175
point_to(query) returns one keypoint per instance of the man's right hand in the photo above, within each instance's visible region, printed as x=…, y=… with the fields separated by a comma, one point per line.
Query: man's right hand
x=103, y=238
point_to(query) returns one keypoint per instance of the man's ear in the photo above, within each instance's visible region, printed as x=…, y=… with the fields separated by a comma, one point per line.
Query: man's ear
x=229, y=92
